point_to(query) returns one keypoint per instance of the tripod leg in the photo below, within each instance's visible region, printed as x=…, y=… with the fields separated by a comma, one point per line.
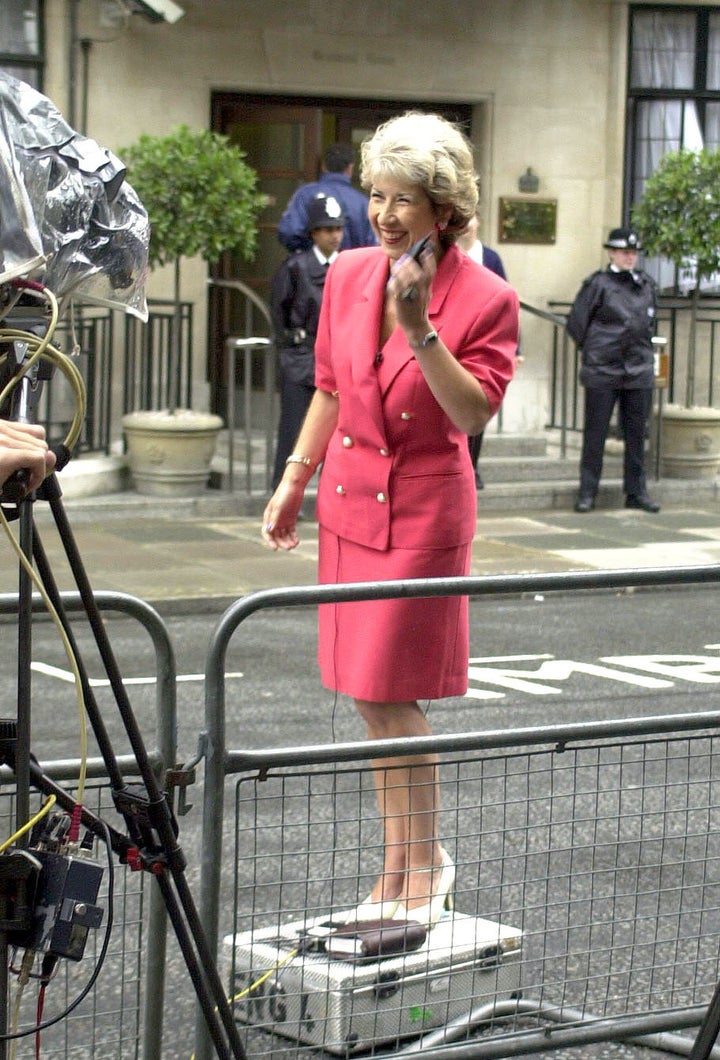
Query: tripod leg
x=179, y=903
x=22, y=741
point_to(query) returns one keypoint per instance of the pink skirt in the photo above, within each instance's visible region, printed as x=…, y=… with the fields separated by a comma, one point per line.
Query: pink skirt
x=393, y=651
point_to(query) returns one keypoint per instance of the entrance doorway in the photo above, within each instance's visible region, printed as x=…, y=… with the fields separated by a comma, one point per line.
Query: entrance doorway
x=284, y=139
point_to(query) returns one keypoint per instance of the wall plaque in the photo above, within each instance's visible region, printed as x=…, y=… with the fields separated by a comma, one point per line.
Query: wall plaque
x=527, y=220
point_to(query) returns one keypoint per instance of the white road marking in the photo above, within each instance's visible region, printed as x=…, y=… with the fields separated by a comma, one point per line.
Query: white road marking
x=104, y=682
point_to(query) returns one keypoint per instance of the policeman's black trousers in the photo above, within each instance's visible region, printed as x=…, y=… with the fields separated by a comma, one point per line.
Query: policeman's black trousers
x=295, y=400
x=634, y=410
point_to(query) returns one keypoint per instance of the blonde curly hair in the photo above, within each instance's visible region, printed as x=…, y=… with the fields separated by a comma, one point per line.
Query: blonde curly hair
x=429, y=151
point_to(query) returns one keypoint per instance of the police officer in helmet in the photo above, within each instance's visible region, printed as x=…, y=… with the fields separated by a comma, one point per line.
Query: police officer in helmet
x=613, y=319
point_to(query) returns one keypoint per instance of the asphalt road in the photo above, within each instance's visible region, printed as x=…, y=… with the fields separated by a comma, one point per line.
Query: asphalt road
x=533, y=662
x=536, y=662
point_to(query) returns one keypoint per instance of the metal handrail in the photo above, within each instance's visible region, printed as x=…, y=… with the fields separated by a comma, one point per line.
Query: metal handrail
x=248, y=345
x=242, y=288
x=554, y=318
x=558, y=321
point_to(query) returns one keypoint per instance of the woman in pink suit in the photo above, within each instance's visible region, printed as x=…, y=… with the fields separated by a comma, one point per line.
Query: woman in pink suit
x=412, y=356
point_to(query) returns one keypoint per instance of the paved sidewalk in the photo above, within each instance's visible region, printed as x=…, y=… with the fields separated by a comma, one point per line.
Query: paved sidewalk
x=194, y=555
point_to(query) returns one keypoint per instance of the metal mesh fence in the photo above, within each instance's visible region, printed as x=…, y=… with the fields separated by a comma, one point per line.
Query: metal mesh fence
x=587, y=893
x=106, y=1025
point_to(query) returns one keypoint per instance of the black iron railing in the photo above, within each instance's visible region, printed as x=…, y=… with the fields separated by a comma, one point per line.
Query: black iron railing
x=115, y=347
x=147, y=366
x=110, y=346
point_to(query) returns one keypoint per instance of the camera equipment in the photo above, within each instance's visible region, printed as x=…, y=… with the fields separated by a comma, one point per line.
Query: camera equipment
x=66, y=209
x=66, y=213
x=157, y=10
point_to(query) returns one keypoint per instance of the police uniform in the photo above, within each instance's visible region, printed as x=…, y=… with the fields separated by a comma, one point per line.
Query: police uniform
x=297, y=291
x=613, y=320
x=293, y=227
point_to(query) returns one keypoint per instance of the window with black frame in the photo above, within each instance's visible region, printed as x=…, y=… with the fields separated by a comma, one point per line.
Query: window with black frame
x=673, y=95
x=21, y=50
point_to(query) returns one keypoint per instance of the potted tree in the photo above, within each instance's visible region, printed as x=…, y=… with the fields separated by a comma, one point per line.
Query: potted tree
x=678, y=217
x=202, y=199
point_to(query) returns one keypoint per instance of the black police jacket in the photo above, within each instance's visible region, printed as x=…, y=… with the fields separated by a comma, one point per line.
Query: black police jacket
x=297, y=291
x=613, y=319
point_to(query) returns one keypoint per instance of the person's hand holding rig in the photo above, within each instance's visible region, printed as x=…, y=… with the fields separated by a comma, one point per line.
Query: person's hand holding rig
x=23, y=447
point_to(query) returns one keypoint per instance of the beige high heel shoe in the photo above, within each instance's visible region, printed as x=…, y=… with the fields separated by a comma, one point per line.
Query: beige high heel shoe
x=370, y=910
x=442, y=900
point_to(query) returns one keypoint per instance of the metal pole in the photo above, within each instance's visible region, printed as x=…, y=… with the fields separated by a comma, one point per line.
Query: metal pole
x=230, y=348
x=247, y=396
x=248, y=347
x=72, y=63
x=563, y=399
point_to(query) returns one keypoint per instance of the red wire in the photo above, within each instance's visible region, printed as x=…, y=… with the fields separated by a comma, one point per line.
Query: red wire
x=40, y=1007
x=75, y=822
x=31, y=285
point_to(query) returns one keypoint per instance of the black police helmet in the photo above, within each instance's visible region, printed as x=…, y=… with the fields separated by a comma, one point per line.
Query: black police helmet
x=623, y=239
x=325, y=211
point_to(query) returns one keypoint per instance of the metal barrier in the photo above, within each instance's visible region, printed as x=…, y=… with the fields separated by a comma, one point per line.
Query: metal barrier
x=122, y=1017
x=598, y=842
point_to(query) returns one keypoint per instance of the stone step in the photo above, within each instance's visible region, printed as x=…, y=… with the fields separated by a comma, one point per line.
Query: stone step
x=560, y=494
x=536, y=469
x=519, y=472
x=514, y=445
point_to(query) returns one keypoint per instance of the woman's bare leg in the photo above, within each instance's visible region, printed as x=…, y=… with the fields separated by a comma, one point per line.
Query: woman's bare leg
x=408, y=798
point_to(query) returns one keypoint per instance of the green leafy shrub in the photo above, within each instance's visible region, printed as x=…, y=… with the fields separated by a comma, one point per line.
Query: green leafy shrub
x=201, y=197
x=678, y=217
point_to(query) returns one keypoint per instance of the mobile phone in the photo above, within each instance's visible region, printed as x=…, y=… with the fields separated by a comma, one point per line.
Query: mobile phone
x=416, y=250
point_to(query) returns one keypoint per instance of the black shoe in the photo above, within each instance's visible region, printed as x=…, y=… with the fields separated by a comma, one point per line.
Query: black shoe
x=479, y=484
x=584, y=503
x=641, y=501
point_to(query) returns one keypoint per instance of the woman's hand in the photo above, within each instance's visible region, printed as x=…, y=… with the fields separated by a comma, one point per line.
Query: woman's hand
x=410, y=286
x=279, y=526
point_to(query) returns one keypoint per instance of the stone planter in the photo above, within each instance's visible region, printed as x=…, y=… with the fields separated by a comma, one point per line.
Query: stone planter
x=690, y=442
x=169, y=453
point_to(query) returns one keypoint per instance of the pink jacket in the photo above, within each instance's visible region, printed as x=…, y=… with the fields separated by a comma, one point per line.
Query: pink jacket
x=397, y=471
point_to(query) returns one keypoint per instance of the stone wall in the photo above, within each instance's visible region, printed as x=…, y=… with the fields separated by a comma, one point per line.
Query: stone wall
x=546, y=79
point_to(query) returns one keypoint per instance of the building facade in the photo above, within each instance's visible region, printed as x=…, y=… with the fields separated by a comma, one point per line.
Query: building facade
x=553, y=87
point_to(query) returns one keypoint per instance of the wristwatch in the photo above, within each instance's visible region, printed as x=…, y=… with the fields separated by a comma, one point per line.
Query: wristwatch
x=432, y=336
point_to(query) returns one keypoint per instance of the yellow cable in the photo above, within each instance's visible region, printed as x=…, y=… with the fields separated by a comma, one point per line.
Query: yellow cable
x=45, y=808
x=258, y=982
x=265, y=976
x=41, y=348
x=40, y=344
x=27, y=566
x=66, y=366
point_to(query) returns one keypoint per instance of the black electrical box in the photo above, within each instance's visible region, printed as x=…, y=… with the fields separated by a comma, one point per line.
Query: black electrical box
x=65, y=908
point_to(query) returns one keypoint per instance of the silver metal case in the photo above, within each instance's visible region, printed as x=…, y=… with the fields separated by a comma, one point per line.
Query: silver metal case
x=344, y=1007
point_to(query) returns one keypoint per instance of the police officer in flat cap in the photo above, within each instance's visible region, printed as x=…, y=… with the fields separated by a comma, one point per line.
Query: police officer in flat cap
x=613, y=319
x=297, y=291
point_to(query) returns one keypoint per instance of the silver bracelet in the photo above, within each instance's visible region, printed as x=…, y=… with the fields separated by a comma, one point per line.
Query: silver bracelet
x=295, y=458
x=432, y=336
